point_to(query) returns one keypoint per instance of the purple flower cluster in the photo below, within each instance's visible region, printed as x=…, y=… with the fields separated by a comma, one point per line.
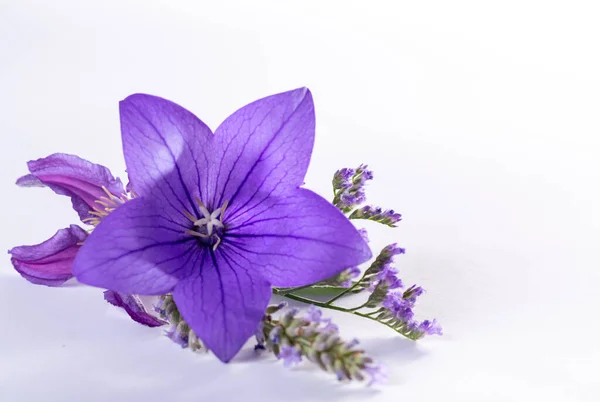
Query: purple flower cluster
x=293, y=337
x=400, y=306
x=348, y=186
x=381, y=272
x=386, y=217
x=388, y=276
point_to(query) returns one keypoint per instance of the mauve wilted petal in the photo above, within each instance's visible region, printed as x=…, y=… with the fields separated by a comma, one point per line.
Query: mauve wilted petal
x=134, y=307
x=296, y=239
x=262, y=150
x=223, y=303
x=166, y=152
x=136, y=250
x=49, y=263
x=74, y=177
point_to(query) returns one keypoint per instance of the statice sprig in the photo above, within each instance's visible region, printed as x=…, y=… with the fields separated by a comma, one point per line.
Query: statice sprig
x=384, y=304
x=349, y=187
x=292, y=337
x=386, y=217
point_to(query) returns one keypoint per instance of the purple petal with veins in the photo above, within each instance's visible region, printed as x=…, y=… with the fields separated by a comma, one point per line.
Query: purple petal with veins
x=220, y=218
x=72, y=176
x=134, y=308
x=49, y=263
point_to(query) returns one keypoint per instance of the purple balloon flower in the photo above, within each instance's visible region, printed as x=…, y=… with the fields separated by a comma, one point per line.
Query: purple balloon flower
x=220, y=218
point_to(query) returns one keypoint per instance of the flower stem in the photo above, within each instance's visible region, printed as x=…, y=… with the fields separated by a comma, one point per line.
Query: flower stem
x=316, y=303
x=346, y=291
x=284, y=291
x=328, y=305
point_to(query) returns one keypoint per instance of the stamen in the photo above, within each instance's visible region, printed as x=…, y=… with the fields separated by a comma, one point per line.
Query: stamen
x=110, y=195
x=190, y=216
x=99, y=214
x=223, y=208
x=106, y=205
x=102, y=203
x=207, y=223
x=197, y=234
x=217, y=243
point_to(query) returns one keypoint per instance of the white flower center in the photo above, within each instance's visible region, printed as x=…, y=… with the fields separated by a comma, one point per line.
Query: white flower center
x=207, y=224
x=210, y=220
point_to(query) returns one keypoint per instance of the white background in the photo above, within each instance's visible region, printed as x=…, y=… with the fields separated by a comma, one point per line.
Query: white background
x=480, y=119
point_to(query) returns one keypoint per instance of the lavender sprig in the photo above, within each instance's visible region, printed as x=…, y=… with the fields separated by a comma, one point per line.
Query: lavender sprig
x=179, y=331
x=292, y=337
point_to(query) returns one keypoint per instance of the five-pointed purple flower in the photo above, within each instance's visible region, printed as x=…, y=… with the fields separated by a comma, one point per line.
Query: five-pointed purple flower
x=220, y=218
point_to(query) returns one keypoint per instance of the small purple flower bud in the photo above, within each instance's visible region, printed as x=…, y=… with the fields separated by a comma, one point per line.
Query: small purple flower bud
x=177, y=334
x=388, y=276
x=274, y=335
x=430, y=327
x=393, y=249
x=400, y=308
x=330, y=326
x=411, y=294
x=377, y=375
x=342, y=178
x=290, y=355
x=313, y=314
x=412, y=326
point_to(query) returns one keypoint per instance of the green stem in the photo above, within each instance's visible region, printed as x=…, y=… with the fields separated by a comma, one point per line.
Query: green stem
x=282, y=292
x=346, y=291
x=316, y=303
x=359, y=307
x=345, y=310
x=384, y=323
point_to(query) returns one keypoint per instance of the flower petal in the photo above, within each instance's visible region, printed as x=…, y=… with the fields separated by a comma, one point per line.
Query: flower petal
x=263, y=149
x=136, y=250
x=297, y=239
x=165, y=149
x=74, y=177
x=49, y=263
x=134, y=307
x=223, y=304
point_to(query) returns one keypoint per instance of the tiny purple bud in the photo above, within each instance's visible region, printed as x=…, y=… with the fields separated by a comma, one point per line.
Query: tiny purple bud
x=430, y=327
x=313, y=314
x=330, y=327
x=377, y=374
x=290, y=355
